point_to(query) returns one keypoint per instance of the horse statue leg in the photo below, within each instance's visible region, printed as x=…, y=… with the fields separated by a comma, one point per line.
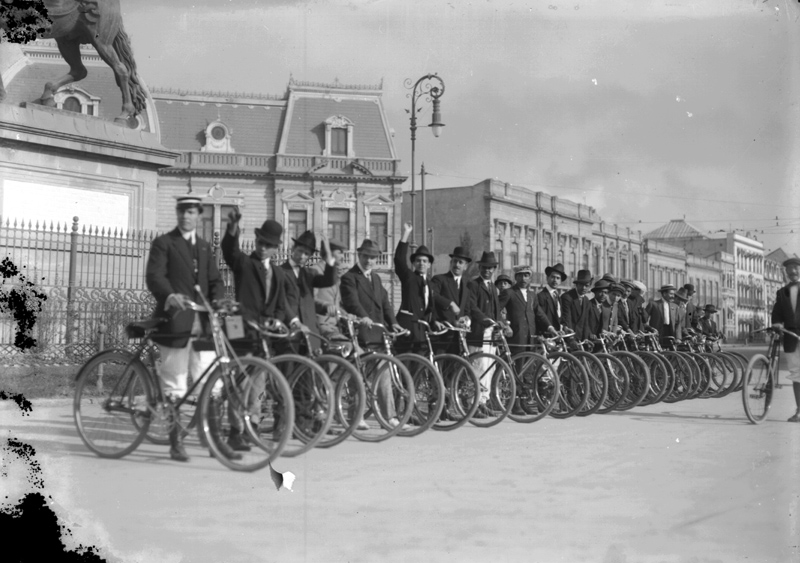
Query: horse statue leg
x=71, y=51
x=122, y=76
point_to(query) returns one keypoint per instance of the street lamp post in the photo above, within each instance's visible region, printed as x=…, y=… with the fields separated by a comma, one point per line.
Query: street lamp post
x=432, y=87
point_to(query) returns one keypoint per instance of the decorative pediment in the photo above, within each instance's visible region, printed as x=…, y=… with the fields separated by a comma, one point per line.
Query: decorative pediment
x=297, y=196
x=361, y=168
x=378, y=198
x=322, y=163
x=338, y=121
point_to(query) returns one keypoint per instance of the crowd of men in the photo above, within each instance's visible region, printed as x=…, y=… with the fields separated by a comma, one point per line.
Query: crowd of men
x=312, y=298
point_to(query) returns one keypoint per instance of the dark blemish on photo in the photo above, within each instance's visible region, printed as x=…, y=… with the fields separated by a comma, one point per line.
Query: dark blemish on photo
x=23, y=403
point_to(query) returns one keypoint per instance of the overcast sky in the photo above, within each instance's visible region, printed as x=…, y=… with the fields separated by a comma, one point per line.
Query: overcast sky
x=646, y=110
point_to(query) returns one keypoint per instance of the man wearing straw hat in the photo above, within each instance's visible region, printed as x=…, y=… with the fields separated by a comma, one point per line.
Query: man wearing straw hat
x=786, y=315
x=178, y=261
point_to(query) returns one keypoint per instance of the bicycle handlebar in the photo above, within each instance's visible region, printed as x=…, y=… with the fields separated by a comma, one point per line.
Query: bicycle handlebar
x=776, y=329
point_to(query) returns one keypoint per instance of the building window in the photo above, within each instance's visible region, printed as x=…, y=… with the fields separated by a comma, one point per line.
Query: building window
x=73, y=104
x=379, y=229
x=573, y=263
x=597, y=261
x=635, y=273
x=529, y=256
x=298, y=223
x=623, y=267
x=214, y=219
x=218, y=138
x=338, y=137
x=339, y=142
x=339, y=226
x=585, y=262
x=498, y=250
x=610, y=265
x=514, y=254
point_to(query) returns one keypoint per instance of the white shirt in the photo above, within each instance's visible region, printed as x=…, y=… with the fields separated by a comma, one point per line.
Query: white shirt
x=458, y=281
x=367, y=273
x=295, y=268
x=793, y=296
x=666, y=311
x=190, y=236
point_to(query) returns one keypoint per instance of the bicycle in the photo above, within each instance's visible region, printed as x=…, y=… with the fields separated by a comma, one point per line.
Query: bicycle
x=113, y=423
x=761, y=377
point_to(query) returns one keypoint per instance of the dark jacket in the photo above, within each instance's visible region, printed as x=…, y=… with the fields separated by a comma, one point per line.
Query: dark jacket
x=366, y=297
x=782, y=313
x=306, y=305
x=635, y=314
x=446, y=291
x=249, y=275
x=550, y=309
x=170, y=270
x=412, y=302
x=575, y=314
x=485, y=304
x=655, y=316
x=523, y=316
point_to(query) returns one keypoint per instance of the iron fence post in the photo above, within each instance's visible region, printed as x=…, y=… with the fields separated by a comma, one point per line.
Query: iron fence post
x=73, y=265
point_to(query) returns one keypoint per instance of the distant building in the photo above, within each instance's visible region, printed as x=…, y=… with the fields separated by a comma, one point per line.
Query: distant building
x=524, y=226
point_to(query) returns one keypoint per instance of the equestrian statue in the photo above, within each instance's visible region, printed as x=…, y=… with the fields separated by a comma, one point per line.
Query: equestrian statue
x=99, y=23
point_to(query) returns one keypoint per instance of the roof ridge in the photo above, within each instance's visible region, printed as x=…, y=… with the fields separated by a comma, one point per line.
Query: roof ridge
x=335, y=85
x=215, y=94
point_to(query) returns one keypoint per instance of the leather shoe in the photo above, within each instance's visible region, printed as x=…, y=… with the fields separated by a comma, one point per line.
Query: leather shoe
x=178, y=453
x=795, y=418
x=237, y=442
x=362, y=426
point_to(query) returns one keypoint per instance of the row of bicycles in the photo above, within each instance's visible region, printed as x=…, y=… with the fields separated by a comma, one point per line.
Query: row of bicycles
x=284, y=404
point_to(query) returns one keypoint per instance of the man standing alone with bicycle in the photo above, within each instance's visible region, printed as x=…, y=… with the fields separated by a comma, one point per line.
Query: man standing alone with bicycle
x=178, y=261
x=786, y=315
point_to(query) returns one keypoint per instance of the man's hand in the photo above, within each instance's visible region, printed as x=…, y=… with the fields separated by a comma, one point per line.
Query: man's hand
x=366, y=321
x=234, y=216
x=177, y=301
x=438, y=326
x=329, y=259
x=296, y=324
x=777, y=325
x=331, y=308
x=407, y=228
x=397, y=328
x=552, y=330
x=455, y=308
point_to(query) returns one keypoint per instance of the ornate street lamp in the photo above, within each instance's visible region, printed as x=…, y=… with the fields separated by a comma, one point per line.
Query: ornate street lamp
x=431, y=87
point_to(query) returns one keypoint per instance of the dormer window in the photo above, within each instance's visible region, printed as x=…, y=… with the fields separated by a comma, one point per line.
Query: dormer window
x=339, y=137
x=75, y=99
x=218, y=138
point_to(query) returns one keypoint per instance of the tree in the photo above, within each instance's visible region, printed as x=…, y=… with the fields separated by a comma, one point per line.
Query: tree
x=22, y=21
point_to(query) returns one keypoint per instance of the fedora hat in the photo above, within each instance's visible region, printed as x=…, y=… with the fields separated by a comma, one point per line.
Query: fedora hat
x=488, y=259
x=558, y=268
x=505, y=278
x=308, y=240
x=666, y=287
x=334, y=247
x=369, y=247
x=689, y=288
x=682, y=294
x=270, y=232
x=422, y=251
x=584, y=276
x=710, y=309
x=628, y=284
x=189, y=200
x=460, y=252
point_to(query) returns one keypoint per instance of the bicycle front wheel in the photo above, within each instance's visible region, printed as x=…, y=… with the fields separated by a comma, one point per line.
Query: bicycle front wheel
x=429, y=394
x=538, y=387
x=350, y=398
x=574, y=383
x=498, y=389
x=463, y=391
x=390, y=397
x=113, y=403
x=757, y=389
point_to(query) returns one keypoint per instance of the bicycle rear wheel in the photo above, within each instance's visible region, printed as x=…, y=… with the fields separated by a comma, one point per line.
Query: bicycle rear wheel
x=734, y=372
x=390, y=394
x=498, y=389
x=574, y=385
x=757, y=387
x=618, y=382
x=462, y=395
x=598, y=381
x=538, y=387
x=252, y=392
x=429, y=394
x=659, y=377
x=113, y=403
x=639, y=376
x=350, y=398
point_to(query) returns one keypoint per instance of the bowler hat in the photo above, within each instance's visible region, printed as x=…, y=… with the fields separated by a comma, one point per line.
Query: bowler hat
x=601, y=284
x=369, y=247
x=488, y=259
x=189, y=200
x=558, y=268
x=522, y=269
x=793, y=261
x=308, y=240
x=460, y=252
x=689, y=288
x=682, y=294
x=505, y=278
x=584, y=276
x=666, y=287
x=270, y=232
x=422, y=251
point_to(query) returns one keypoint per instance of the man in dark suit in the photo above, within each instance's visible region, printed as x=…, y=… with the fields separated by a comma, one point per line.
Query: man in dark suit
x=306, y=280
x=263, y=291
x=598, y=315
x=663, y=314
x=637, y=304
x=575, y=306
x=452, y=298
x=178, y=261
x=416, y=302
x=364, y=296
x=706, y=324
x=691, y=318
x=617, y=317
x=523, y=311
x=786, y=315
x=549, y=298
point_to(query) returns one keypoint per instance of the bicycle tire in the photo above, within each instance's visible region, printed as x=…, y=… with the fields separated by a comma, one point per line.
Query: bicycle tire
x=717, y=377
x=618, y=382
x=429, y=394
x=113, y=423
x=734, y=367
x=538, y=387
x=350, y=398
x=462, y=391
x=703, y=381
x=659, y=377
x=639, y=377
x=598, y=382
x=502, y=389
x=573, y=385
x=682, y=385
x=233, y=390
x=313, y=394
x=757, y=388
x=374, y=367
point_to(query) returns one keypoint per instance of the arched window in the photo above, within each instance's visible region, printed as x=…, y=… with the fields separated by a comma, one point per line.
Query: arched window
x=73, y=104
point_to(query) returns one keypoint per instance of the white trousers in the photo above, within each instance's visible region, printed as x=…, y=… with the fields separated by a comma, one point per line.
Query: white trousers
x=793, y=364
x=177, y=364
x=482, y=365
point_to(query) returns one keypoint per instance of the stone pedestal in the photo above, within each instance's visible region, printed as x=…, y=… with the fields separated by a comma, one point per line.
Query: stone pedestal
x=56, y=164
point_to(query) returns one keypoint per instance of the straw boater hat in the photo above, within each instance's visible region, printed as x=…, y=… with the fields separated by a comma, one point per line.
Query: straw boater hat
x=488, y=259
x=460, y=252
x=270, y=232
x=422, y=251
x=189, y=200
x=558, y=268
x=666, y=287
x=370, y=248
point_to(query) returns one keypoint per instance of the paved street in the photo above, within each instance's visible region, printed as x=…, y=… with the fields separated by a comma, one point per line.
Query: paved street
x=688, y=482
